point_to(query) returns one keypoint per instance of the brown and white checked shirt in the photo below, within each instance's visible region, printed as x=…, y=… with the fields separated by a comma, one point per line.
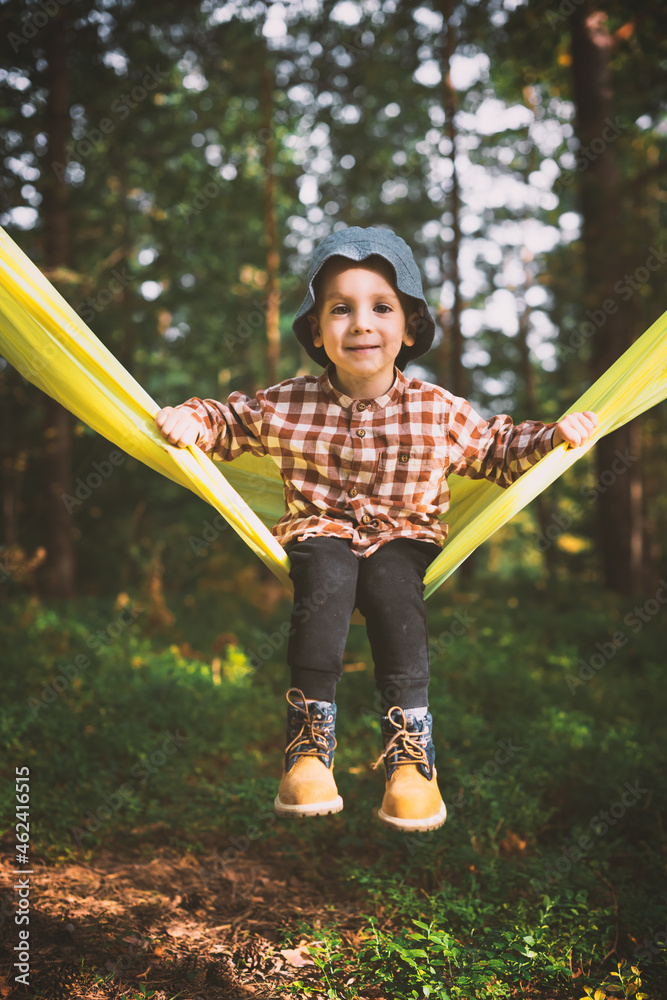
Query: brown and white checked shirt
x=370, y=470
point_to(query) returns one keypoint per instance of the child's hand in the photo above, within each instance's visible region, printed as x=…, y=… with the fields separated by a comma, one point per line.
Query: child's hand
x=180, y=427
x=575, y=428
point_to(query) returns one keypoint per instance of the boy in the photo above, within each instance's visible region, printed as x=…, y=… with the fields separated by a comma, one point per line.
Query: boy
x=364, y=454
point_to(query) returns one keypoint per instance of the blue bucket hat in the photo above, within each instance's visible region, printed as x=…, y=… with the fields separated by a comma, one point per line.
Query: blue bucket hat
x=357, y=244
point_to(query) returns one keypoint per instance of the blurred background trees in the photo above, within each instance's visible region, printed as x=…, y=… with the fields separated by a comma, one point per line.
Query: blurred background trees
x=171, y=167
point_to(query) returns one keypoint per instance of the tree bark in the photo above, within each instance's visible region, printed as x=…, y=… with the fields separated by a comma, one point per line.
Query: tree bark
x=620, y=505
x=450, y=353
x=59, y=570
x=451, y=349
x=543, y=506
x=271, y=229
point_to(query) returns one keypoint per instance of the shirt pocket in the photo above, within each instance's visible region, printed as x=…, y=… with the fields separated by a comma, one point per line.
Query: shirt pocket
x=410, y=473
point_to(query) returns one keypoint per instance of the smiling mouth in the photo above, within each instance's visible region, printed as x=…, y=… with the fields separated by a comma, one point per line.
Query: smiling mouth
x=367, y=347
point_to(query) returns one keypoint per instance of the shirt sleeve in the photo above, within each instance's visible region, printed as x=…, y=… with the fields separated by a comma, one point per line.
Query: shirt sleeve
x=495, y=449
x=226, y=430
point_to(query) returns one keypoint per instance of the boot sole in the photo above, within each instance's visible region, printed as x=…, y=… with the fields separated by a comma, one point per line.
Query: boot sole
x=414, y=825
x=308, y=809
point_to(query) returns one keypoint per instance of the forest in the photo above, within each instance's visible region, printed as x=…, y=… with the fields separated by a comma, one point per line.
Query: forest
x=170, y=168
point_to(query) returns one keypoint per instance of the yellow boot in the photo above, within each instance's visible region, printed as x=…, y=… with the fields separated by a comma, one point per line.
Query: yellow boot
x=307, y=786
x=412, y=799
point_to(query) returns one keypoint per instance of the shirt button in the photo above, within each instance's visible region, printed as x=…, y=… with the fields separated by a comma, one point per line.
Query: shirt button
x=361, y=433
x=353, y=492
x=366, y=519
x=403, y=457
x=361, y=406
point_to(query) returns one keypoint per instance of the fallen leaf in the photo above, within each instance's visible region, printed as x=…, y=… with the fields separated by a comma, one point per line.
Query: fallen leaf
x=177, y=930
x=297, y=956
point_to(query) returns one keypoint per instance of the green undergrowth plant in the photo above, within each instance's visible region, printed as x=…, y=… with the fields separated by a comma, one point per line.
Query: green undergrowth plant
x=550, y=868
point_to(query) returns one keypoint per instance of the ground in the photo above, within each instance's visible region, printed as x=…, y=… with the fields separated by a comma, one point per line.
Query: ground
x=166, y=921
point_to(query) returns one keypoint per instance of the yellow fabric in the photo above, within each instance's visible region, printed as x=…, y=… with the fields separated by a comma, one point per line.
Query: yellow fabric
x=50, y=345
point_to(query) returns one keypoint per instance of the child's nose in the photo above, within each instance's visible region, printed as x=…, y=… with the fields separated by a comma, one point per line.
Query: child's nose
x=363, y=319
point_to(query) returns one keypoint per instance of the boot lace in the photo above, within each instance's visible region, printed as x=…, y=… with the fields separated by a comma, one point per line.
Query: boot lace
x=311, y=740
x=408, y=745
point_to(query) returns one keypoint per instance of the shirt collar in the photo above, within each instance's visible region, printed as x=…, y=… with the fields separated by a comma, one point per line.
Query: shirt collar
x=391, y=396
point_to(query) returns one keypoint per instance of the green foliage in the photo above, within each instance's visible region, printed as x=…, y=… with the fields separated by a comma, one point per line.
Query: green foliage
x=496, y=902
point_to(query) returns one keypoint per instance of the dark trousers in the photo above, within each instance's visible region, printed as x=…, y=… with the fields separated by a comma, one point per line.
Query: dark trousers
x=388, y=588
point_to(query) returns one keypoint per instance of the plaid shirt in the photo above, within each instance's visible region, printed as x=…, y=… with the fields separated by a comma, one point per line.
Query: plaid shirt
x=370, y=470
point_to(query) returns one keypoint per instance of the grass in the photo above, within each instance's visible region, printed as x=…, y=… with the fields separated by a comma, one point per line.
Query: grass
x=548, y=877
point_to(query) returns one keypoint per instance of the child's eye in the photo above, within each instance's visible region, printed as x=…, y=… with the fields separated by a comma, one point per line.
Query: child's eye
x=380, y=305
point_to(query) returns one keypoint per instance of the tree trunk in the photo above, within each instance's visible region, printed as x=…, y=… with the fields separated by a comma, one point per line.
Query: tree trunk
x=450, y=353
x=543, y=506
x=58, y=575
x=271, y=229
x=620, y=510
x=451, y=349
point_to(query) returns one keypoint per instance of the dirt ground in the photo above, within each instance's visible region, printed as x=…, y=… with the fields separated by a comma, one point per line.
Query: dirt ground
x=168, y=923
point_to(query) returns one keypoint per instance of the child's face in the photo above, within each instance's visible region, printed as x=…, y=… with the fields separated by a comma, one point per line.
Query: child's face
x=361, y=324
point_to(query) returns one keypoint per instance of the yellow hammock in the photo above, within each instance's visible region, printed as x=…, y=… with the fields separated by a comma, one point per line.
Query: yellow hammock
x=49, y=344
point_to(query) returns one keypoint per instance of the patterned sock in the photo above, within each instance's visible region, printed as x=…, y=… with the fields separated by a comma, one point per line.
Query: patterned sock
x=415, y=713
